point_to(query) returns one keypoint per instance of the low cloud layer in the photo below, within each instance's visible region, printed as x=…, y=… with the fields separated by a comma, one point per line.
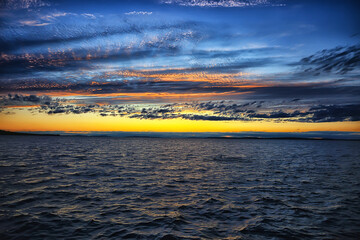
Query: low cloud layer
x=24, y=100
x=205, y=111
x=156, y=88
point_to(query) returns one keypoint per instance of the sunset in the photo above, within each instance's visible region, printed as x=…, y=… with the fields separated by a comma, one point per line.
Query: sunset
x=215, y=63
x=147, y=81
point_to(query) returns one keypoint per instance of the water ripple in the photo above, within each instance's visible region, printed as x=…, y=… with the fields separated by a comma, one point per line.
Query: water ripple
x=166, y=189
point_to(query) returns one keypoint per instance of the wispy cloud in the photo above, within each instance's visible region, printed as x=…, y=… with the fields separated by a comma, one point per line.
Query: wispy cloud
x=53, y=16
x=122, y=35
x=142, y=47
x=22, y=4
x=89, y=15
x=33, y=23
x=339, y=60
x=138, y=13
x=222, y=3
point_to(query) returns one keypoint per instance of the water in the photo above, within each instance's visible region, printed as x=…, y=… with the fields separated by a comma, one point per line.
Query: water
x=113, y=188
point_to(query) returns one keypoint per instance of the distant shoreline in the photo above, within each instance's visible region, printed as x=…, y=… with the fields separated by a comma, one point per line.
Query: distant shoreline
x=2, y=132
x=9, y=133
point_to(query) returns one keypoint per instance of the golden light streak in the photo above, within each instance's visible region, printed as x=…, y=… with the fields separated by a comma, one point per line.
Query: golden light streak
x=22, y=106
x=24, y=120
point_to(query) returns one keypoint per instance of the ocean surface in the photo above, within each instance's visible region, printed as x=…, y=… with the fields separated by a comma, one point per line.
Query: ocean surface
x=143, y=188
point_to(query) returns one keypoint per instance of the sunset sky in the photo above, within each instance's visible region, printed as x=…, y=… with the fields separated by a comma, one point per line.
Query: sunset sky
x=222, y=67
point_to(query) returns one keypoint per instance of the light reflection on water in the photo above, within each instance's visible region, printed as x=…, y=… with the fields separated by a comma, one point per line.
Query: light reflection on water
x=113, y=188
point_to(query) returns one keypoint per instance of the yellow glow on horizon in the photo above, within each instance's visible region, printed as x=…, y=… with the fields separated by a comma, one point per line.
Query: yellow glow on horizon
x=24, y=120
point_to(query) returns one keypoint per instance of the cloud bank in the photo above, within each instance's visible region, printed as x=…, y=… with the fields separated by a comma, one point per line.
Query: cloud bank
x=205, y=111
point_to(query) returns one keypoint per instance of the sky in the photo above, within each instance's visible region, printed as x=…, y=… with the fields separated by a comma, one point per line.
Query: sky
x=220, y=68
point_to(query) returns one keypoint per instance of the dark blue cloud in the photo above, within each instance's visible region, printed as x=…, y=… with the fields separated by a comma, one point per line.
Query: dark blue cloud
x=334, y=113
x=18, y=99
x=340, y=60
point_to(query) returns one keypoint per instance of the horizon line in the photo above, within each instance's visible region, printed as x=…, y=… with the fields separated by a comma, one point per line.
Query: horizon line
x=310, y=135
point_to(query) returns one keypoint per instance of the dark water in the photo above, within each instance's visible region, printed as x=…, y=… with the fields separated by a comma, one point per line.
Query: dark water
x=113, y=188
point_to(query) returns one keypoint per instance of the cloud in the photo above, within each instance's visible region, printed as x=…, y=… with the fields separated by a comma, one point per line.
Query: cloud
x=63, y=34
x=222, y=3
x=57, y=107
x=339, y=60
x=33, y=23
x=224, y=112
x=203, y=54
x=311, y=91
x=25, y=51
x=22, y=4
x=138, y=13
x=154, y=87
x=334, y=113
x=89, y=15
x=51, y=18
x=146, y=47
x=277, y=114
x=54, y=16
x=46, y=38
x=23, y=98
x=197, y=117
x=18, y=100
x=204, y=111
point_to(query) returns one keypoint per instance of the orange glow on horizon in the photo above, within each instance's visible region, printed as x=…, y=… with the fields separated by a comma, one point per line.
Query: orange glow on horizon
x=141, y=96
x=22, y=106
x=24, y=120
